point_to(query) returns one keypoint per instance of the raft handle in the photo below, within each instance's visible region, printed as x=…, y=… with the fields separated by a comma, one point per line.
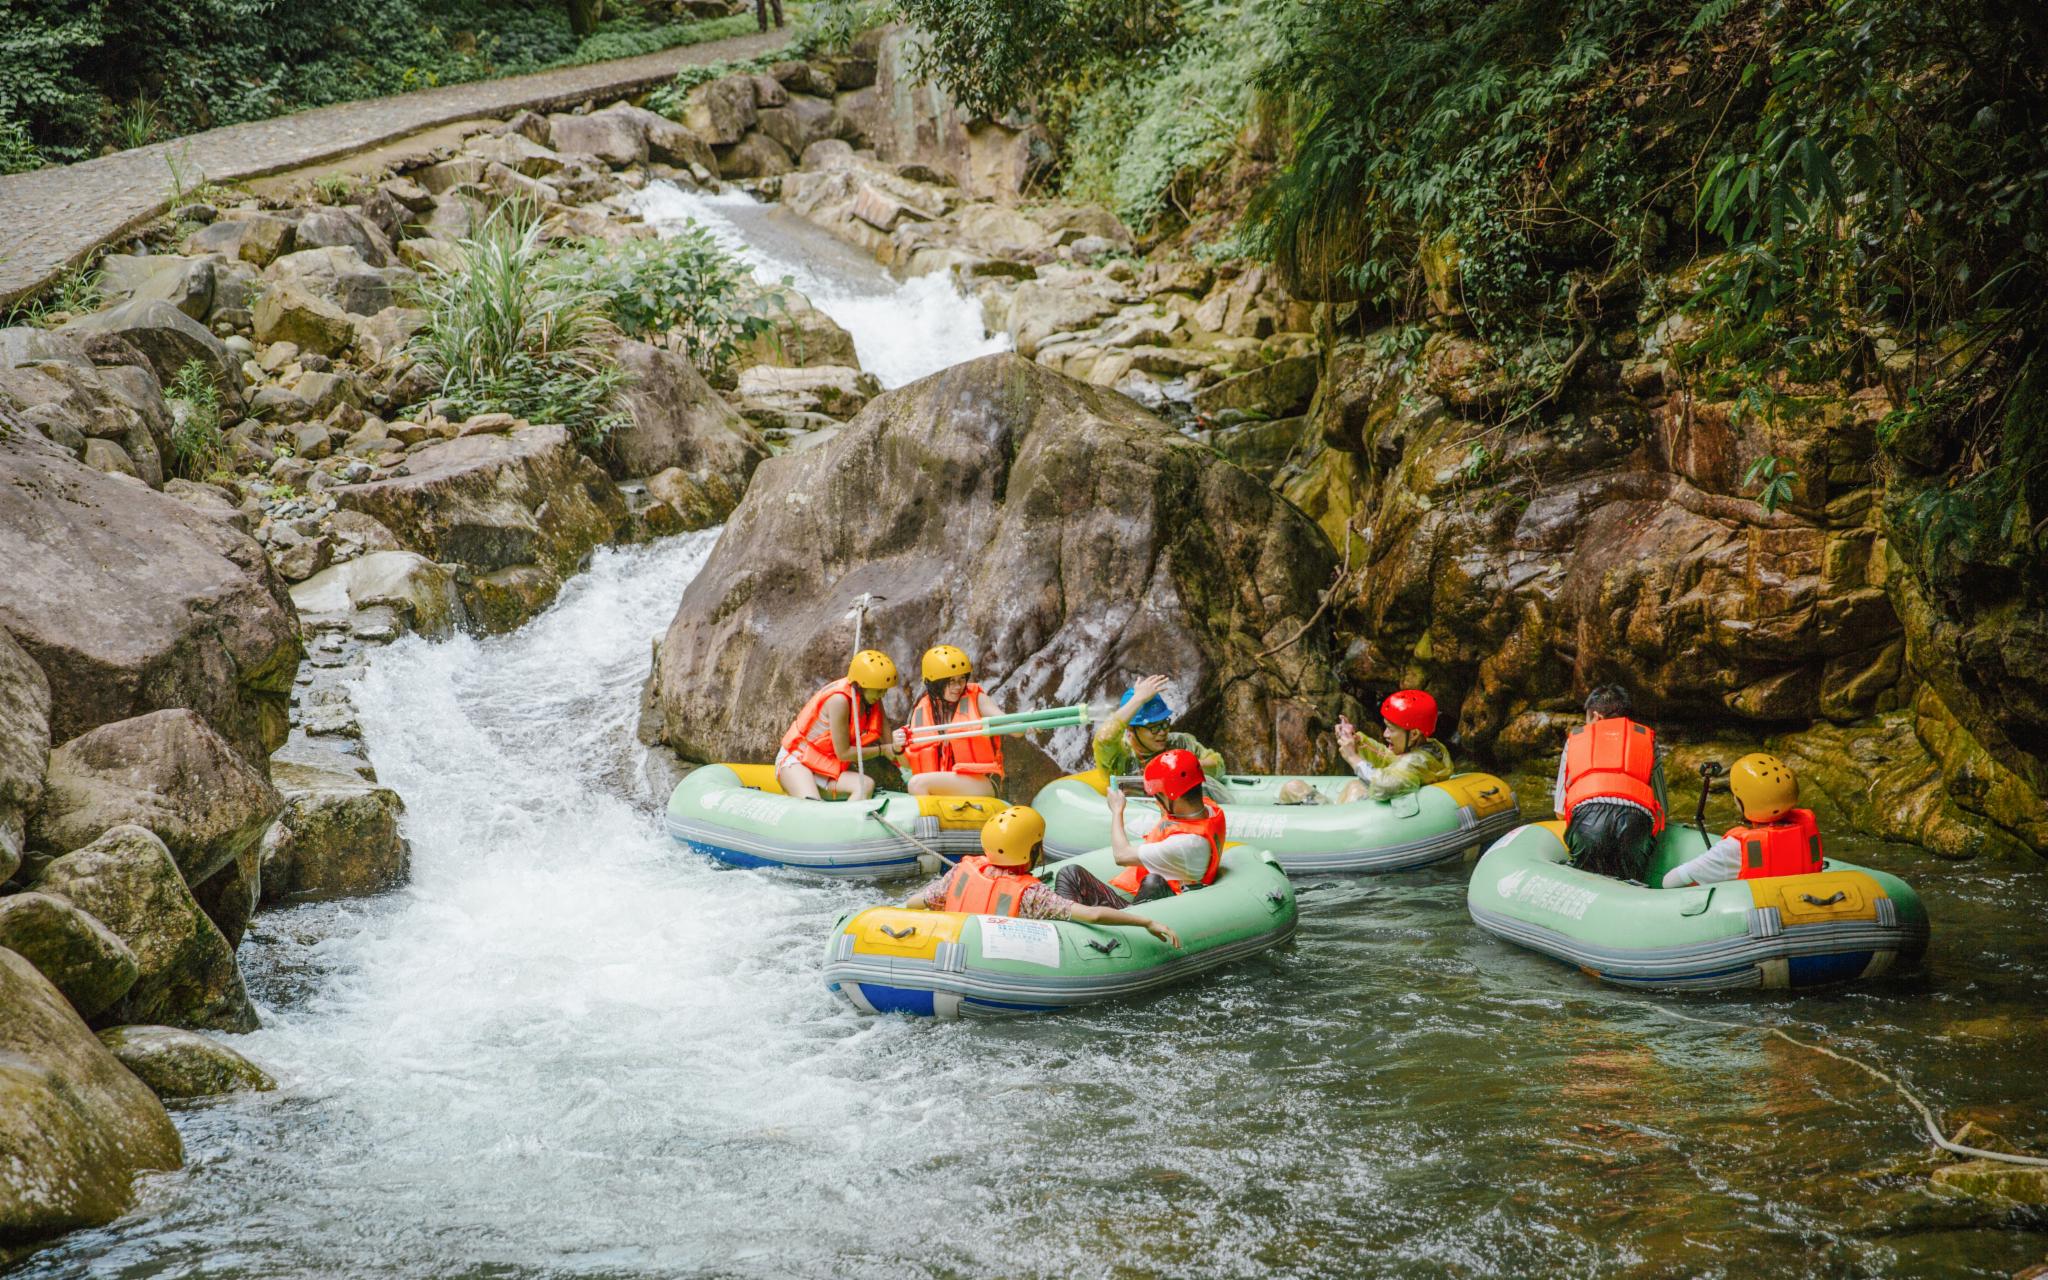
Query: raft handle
x=907, y=931
x=1829, y=901
x=1275, y=899
x=1107, y=947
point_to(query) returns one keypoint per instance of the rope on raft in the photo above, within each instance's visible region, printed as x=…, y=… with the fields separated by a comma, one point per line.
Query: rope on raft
x=1934, y=1134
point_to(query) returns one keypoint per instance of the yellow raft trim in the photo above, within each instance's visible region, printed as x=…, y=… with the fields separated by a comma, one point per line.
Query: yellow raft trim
x=902, y=933
x=1483, y=793
x=1818, y=896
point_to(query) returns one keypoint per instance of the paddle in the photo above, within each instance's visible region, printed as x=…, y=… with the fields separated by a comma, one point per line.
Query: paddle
x=1008, y=724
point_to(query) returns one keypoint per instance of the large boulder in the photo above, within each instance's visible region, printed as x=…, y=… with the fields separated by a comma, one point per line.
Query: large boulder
x=288, y=313
x=1038, y=311
x=73, y=403
x=755, y=156
x=679, y=421
x=24, y=747
x=179, y=1064
x=420, y=593
x=169, y=339
x=721, y=111
x=800, y=122
x=75, y=1126
x=1066, y=537
x=341, y=276
x=186, y=974
x=338, y=836
x=253, y=238
x=131, y=601
x=799, y=336
x=167, y=771
x=91, y=966
x=603, y=135
x=324, y=228
x=516, y=509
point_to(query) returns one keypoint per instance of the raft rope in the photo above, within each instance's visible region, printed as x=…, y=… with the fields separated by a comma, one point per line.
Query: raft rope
x=1934, y=1134
x=944, y=861
x=860, y=615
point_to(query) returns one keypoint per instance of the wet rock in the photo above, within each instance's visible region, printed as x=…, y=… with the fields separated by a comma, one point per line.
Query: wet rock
x=169, y=339
x=186, y=970
x=287, y=313
x=832, y=390
x=253, y=238
x=75, y=1126
x=421, y=592
x=337, y=837
x=800, y=336
x=1084, y=540
x=679, y=421
x=167, y=771
x=1994, y=1180
x=178, y=1064
x=230, y=895
x=495, y=501
x=755, y=156
x=78, y=954
x=24, y=747
x=130, y=602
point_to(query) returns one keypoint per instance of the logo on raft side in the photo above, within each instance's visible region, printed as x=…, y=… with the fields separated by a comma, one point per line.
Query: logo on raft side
x=1546, y=894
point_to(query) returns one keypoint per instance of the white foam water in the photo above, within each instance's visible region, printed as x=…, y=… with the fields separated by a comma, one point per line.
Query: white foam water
x=902, y=329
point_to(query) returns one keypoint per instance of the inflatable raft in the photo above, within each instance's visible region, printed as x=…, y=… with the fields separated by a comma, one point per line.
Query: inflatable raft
x=1836, y=925
x=949, y=965
x=1439, y=821
x=737, y=813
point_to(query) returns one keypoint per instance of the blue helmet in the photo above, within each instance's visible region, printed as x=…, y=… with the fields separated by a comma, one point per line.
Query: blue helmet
x=1153, y=712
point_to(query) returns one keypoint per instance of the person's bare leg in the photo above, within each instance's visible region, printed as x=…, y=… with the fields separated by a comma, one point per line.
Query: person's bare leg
x=947, y=783
x=798, y=781
x=854, y=786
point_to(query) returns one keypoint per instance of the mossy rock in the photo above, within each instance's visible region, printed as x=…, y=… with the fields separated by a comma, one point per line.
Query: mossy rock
x=180, y=1064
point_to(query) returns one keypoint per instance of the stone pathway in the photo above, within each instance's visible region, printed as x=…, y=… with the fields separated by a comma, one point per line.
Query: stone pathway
x=52, y=218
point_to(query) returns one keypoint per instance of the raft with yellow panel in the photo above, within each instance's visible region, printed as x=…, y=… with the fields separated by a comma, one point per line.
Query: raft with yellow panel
x=738, y=814
x=1840, y=924
x=1438, y=822
x=947, y=964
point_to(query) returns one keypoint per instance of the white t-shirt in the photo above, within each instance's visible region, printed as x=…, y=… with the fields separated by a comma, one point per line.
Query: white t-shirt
x=1182, y=857
x=1721, y=861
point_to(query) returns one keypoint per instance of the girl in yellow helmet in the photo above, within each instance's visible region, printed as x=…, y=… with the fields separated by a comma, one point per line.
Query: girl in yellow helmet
x=819, y=749
x=964, y=766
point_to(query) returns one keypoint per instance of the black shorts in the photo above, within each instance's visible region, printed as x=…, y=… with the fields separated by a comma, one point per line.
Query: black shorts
x=1610, y=839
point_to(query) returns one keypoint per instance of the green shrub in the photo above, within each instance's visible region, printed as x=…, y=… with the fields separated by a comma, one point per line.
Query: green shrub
x=508, y=332
x=197, y=449
x=75, y=293
x=684, y=287
x=18, y=152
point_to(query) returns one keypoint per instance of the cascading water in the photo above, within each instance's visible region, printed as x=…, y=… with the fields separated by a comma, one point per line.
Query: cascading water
x=902, y=330
x=568, y=1047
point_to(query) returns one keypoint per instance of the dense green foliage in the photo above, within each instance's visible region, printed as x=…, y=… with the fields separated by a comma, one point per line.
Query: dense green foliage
x=80, y=75
x=683, y=289
x=505, y=334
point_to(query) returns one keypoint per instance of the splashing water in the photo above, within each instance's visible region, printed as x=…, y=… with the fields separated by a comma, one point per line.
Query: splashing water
x=902, y=330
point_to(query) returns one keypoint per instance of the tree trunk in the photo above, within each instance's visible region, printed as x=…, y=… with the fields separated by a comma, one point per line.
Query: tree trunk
x=583, y=15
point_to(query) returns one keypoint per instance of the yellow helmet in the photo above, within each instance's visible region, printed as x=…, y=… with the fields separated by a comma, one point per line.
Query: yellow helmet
x=1010, y=836
x=944, y=662
x=1764, y=787
x=872, y=670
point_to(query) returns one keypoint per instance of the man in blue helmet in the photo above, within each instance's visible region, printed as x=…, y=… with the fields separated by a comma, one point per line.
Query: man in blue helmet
x=1137, y=730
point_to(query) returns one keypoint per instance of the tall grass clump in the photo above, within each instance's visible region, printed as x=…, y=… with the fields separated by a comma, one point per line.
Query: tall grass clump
x=508, y=332
x=197, y=449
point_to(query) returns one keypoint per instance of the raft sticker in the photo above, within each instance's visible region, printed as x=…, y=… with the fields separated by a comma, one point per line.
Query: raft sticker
x=1032, y=941
x=1545, y=894
x=764, y=809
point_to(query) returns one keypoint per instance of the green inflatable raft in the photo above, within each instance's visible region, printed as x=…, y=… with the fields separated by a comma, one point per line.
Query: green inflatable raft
x=949, y=965
x=1438, y=822
x=737, y=814
x=1840, y=924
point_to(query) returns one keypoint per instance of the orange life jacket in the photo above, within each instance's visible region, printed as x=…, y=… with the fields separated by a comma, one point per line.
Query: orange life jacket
x=810, y=739
x=1209, y=826
x=1787, y=847
x=1611, y=759
x=973, y=756
x=979, y=887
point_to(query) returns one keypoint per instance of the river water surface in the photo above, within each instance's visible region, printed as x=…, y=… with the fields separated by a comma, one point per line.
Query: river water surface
x=568, y=1048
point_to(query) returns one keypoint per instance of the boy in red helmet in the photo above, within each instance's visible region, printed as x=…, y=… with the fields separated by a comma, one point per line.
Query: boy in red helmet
x=1185, y=848
x=1411, y=759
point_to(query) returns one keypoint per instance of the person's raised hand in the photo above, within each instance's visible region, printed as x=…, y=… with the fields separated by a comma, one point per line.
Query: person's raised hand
x=1147, y=689
x=1116, y=802
x=1347, y=733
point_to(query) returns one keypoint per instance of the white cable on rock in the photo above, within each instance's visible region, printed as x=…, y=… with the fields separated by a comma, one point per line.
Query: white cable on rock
x=1926, y=1113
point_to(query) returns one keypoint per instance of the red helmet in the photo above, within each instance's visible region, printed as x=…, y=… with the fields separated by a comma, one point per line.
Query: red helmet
x=1173, y=774
x=1410, y=709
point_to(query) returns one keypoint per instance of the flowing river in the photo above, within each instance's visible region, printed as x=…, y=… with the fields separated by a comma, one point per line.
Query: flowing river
x=568, y=1048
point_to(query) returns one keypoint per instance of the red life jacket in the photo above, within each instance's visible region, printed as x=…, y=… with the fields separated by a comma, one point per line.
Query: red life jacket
x=809, y=738
x=1787, y=847
x=979, y=887
x=1209, y=826
x=973, y=756
x=1611, y=759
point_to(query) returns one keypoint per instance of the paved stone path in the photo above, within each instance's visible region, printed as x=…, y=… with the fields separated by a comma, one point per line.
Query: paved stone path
x=52, y=218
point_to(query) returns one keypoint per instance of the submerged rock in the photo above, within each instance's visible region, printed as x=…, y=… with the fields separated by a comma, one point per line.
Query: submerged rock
x=167, y=771
x=75, y=1126
x=131, y=601
x=179, y=1064
x=1067, y=538
x=186, y=970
